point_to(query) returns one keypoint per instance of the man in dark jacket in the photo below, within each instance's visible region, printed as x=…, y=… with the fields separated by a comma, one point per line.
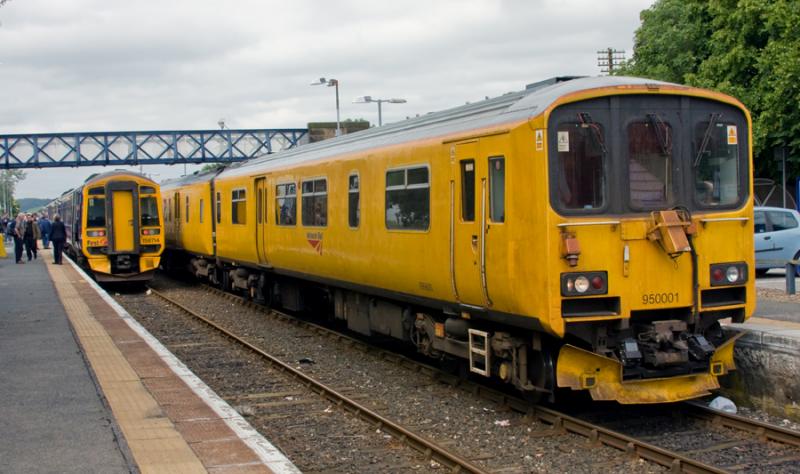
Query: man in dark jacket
x=58, y=234
x=17, y=229
x=45, y=227
x=29, y=237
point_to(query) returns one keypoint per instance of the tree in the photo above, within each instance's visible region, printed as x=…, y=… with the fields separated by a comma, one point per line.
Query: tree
x=749, y=49
x=8, y=184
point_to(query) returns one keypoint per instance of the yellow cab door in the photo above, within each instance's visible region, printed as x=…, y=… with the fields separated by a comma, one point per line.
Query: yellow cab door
x=123, y=229
x=495, y=246
x=467, y=171
x=261, y=219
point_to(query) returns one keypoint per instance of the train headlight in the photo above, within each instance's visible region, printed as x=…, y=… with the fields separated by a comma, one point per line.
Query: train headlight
x=96, y=233
x=151, y=231
x=728, y=274
x=584, y=283
x=732, y=274
x=581, y=284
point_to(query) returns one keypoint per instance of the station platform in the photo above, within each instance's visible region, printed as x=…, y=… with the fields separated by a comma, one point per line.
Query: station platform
x=85, y=388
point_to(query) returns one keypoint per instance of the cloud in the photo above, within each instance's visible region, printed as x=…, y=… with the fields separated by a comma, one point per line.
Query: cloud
x=155, y=65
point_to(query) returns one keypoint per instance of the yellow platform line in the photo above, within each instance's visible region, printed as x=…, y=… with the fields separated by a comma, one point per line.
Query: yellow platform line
x=155, y=443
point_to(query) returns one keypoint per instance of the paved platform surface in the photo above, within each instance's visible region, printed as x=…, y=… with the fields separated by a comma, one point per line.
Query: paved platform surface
x=87, y=389
x=52, y=418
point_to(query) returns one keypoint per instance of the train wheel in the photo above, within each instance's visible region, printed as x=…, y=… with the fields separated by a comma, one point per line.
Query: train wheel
x=542, y=374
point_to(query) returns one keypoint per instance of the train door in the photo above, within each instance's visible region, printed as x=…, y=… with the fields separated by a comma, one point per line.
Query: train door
x=123, y=217
x=176, y=219
x=466, y=241
x=261, y=219
x=477, y=218
x=495, y=244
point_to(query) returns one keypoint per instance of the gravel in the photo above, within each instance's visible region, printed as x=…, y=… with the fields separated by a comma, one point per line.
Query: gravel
x=487, y=433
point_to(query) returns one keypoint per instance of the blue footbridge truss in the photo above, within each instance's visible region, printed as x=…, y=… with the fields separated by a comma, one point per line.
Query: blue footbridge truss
x=53, y=150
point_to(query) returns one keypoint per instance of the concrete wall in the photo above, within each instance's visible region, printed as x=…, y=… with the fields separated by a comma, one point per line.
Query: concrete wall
x=318, y=131
x=768, y=375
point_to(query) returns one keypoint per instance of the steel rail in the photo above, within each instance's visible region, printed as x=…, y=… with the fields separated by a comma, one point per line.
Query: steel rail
x=434, y=451
x=561, y=423
x=763, y=431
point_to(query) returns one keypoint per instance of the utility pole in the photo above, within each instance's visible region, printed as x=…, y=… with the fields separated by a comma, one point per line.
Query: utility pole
x=609, y=59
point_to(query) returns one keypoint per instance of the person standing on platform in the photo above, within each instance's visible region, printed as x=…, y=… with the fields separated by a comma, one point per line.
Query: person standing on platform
x=18, y=229
x=58, y=234
x=45, y=226
x=29, y=237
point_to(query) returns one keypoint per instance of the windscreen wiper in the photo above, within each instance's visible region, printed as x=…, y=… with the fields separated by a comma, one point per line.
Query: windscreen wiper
x=586, y=120
x=706, y=137
x=663, y=139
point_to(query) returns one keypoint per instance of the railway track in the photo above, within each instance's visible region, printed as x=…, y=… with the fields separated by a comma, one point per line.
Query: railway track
x=432, y=450
x=595, y=433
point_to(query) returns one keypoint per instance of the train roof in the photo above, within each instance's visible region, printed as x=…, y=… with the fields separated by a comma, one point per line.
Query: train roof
x=508, y=108
x=115, y=173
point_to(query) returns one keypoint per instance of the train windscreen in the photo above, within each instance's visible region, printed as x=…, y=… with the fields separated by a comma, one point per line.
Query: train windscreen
x=639, y=153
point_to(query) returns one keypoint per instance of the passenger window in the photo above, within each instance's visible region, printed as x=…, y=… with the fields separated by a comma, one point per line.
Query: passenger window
x=716, y=163
x=96, y=212
x=315, y=203
x=219, y=208
x=760, y=222
x=650, y=163
x=353, y=209
x=201, y=210
x=238, y=206
x=177, y=208
x=187, y=209
x=408, y=199
x=286, y=204
x=781, y=220
x=581, y=164
x=468, y=190
x=497, y=189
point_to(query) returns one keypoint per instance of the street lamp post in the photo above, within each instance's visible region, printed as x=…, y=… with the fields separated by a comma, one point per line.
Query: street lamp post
x=368, y=99
x=332, y=83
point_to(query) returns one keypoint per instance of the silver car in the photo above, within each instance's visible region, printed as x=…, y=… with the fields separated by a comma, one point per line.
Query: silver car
x=777, y=234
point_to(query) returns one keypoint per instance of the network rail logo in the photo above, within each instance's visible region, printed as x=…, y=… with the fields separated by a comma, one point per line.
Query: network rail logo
x=315, y=241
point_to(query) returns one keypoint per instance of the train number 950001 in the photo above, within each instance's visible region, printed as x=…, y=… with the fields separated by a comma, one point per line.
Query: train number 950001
x=660, y=298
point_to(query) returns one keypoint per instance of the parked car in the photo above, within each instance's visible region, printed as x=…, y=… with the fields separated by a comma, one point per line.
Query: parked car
x=777, y=234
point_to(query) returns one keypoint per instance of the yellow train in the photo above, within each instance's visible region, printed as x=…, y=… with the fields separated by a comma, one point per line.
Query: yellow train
x=585, y=233
x=114, y=226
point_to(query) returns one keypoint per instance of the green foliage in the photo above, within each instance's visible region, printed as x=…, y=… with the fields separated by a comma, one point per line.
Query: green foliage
x=749, y=49
x=8, y=184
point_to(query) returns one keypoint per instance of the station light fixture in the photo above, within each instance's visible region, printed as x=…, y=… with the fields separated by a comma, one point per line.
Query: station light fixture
x=332, y=83
x=369, y=99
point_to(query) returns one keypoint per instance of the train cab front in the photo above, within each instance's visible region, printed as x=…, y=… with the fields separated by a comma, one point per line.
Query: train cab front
x=646, y=273
x=123, y=240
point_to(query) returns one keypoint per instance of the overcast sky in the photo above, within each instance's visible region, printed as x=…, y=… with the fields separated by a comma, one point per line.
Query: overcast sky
x=112, y=65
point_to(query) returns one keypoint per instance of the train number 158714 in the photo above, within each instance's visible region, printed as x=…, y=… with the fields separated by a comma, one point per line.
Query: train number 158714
x=660, y=298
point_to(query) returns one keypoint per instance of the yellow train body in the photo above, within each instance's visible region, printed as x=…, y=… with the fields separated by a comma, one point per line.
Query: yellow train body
x=482, y=224
x=114, y=225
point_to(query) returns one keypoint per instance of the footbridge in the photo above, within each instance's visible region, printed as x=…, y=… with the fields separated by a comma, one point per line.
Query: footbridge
x=53, y=150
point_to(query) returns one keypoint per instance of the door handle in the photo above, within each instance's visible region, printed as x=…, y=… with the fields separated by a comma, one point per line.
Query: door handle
x=767, y=237
x=474, y=240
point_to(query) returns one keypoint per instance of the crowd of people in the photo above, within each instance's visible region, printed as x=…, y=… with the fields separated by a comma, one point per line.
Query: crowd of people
x=26, y=230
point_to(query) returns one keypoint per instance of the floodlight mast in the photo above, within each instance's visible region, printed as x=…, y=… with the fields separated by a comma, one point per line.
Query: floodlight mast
x=369, y=99
x=332, y=83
